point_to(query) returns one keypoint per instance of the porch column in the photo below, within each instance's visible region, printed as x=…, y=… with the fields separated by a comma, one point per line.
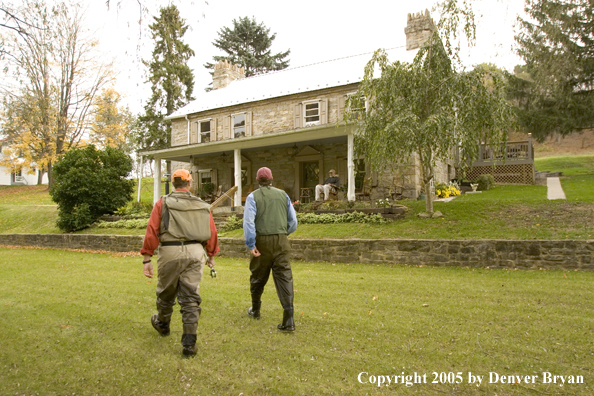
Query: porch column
x=351, y=167
x=157, y=183
x=140, y=163
x=237, y=169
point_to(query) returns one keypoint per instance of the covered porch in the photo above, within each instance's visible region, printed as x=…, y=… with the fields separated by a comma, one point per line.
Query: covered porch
x=298, y=159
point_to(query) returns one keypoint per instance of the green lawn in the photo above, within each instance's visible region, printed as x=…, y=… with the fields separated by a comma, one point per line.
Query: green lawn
x=505, y=212
x=569, y=165
x=78, y=323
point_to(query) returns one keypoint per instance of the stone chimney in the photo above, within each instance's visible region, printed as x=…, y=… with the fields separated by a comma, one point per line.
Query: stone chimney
x=224, y=73
x=419, y=27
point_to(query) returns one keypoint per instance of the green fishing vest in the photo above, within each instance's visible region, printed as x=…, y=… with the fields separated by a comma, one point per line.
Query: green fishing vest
x=184, y=217
x=271, y=211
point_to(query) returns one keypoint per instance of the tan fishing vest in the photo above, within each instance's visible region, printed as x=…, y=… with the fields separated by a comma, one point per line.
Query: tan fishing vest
x=184, y=217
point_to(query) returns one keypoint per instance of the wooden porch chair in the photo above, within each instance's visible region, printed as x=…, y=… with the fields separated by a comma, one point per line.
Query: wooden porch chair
x=365, y=192
x=306, y=195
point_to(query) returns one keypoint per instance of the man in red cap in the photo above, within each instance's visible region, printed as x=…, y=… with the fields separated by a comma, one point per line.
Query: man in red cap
x=182, y=226
x=268, y=218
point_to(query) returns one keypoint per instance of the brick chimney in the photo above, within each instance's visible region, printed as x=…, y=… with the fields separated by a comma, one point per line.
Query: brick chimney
x=225, y=73
x=419, y=27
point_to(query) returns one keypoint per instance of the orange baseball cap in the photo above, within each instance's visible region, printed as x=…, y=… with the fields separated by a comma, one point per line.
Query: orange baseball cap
x=183, y=174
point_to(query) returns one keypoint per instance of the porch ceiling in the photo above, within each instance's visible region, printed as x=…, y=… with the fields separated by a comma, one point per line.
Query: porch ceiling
x=311, y=135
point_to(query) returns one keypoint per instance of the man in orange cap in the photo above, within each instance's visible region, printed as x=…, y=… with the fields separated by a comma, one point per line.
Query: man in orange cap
x=183, y=229
x=268, y=218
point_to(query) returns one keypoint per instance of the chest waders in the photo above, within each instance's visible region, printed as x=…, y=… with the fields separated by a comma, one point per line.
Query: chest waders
x=274, y=247
x=185, y=226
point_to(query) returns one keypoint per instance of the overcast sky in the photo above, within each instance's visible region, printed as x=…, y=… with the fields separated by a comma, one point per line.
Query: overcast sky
x=314, y=31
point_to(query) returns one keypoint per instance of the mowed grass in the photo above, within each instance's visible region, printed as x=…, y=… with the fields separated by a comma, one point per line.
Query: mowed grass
x=25, y=195
x=569, y=165
x=78, y=323
x=505, y=212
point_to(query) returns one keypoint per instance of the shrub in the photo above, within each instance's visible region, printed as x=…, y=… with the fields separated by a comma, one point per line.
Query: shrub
x=89, y=183
x=485, y=182
x=233, y=223
x=129, y=224
x=135, y=209
x=331, y=218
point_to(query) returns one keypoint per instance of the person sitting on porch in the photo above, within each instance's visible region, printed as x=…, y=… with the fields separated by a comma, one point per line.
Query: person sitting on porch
x=331, y=184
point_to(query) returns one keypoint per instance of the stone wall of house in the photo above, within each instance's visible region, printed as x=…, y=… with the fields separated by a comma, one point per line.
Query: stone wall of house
x=268, y=116
x=567, y=255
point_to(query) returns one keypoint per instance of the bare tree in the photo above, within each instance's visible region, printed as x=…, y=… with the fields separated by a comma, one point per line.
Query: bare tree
x=59, y=67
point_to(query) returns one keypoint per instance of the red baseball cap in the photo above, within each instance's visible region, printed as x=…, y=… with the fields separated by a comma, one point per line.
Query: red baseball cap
x=264, y=173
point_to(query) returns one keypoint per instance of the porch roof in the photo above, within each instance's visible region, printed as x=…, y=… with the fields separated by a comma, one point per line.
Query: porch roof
x=328, y=74
x=320, y=133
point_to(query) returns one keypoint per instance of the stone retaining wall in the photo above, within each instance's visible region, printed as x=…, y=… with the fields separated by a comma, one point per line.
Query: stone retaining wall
x=477, y=253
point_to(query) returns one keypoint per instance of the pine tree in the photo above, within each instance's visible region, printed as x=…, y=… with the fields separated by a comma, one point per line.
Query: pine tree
x=171, y=78
x=248, y=44
x=557, y=44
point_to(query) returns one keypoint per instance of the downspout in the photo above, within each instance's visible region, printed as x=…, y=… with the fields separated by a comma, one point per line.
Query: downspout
x=187, y=119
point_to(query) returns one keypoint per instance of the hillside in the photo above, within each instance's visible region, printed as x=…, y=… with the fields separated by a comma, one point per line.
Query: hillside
x=574, y=144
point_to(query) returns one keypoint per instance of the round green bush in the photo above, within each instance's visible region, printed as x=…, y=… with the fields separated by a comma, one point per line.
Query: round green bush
x=89, y=183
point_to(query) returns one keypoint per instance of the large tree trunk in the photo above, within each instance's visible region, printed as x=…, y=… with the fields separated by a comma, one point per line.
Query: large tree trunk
x=428, y=198
x=50, y=175
x=40, y=174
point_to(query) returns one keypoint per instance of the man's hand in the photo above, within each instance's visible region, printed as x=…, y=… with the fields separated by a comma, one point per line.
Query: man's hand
x=255, y=252
x=210, y=261
x=148, y=270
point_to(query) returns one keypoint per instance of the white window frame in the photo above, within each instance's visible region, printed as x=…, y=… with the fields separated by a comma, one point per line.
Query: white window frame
x=200, y=173
x=200, y=132
x=232, y=127
x=305, y=116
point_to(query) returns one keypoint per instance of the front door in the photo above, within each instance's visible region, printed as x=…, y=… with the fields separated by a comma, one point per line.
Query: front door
x=311, y=174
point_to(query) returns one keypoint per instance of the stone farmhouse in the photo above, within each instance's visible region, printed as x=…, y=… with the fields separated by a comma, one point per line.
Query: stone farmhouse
x=291, y=122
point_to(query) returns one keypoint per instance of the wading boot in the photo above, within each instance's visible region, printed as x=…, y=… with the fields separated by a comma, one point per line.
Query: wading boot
x=254, y=310
x=288, y=325
x=161, y=327
x=189, y=343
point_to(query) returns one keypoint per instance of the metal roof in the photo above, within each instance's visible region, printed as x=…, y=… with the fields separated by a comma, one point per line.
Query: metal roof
x=290, y=81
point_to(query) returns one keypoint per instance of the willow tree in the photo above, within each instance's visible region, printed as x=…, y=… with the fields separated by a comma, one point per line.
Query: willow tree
x=426, y=110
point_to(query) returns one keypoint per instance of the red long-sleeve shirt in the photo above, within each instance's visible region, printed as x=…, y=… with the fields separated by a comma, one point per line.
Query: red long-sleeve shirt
x=151, y=238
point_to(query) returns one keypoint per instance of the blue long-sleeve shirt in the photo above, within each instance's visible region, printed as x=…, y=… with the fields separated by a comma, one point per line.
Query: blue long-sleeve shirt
x=249, y=220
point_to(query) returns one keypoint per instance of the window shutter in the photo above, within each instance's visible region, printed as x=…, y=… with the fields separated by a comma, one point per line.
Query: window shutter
x=248, y=123
x=194, y=138
x=341, y=104
x=227, y=128
x=324, y=111
x=213, y=129
x=297, y=115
